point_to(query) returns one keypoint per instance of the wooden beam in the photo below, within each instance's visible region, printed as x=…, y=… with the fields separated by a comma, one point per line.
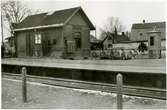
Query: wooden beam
x=119, y=91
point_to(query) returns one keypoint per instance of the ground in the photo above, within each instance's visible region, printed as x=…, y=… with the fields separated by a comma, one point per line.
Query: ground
x=45, y=97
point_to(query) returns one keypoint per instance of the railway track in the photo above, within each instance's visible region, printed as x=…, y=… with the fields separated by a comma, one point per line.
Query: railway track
x=105, y=87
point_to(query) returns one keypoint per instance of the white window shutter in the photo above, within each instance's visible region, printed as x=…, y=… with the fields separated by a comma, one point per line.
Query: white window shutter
x=38, y=38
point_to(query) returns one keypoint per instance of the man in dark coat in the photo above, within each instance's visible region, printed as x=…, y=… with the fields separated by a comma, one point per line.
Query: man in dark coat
x=142, y=47
x=2, y=51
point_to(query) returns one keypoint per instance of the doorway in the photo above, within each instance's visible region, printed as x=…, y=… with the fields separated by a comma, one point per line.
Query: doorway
x=46, y=44
x=77, y=37
x=29, y=45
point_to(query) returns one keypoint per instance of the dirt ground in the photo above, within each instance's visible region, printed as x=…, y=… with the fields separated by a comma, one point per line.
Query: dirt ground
x=42, y=96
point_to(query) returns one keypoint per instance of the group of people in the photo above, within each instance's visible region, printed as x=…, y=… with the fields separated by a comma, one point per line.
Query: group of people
x=121, y=54
x=142, y=47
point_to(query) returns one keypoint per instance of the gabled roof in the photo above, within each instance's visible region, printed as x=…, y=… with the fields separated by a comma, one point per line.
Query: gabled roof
x=55, y=19
x=149, y=25
x=31, y=21
x=117, y=38
x=121, y=38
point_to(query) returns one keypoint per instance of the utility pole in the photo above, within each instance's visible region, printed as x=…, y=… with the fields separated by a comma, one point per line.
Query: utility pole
x=95, y=31
x=2, y=29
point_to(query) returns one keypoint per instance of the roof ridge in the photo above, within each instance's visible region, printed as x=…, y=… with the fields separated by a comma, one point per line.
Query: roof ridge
x=38, y=14
x=63, y=9
x=67, y=8
x=56, y=17
x=55, y=11
x=161, y=24
x=151, y=22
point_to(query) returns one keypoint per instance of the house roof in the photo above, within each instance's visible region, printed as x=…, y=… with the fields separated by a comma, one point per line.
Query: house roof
x=149, y=25
x=121, y=38
x=54, y=19
x=117, y=38
x=93, y=39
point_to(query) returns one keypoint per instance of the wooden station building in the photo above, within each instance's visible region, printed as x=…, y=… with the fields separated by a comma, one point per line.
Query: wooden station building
x=60, y=34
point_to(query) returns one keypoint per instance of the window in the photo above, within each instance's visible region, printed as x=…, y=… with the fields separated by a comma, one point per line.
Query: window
x=78, y=42
x=54, y=41
x=76, y=27
x=37, y=38
x=151, y=40
x=49, y=42
x=151, y=53
x=70, y=46
x=141, y=34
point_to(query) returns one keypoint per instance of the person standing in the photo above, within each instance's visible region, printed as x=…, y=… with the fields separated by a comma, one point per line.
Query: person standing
x=2, y=51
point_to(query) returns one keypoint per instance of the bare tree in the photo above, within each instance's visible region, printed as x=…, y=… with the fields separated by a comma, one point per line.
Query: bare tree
x=14, y=12
x=113, y=25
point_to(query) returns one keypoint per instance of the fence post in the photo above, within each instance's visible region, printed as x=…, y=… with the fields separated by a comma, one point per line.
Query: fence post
x=119, y=91
x=24, y=84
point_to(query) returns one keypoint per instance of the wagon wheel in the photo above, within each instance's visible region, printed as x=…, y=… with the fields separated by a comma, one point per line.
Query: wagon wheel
x=94, y=55
x=102, y=54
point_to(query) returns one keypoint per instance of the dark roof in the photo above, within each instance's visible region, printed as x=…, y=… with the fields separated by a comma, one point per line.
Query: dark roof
x=121, y=38
x=31, y=21
x=149, y=25
x=57, y=17
x=117, y=38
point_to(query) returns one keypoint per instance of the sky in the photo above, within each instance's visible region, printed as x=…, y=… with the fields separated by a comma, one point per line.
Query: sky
x=98, y=11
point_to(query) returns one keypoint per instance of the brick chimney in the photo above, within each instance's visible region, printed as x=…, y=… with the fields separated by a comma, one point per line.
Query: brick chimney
x=123, y=33
x=144, y=21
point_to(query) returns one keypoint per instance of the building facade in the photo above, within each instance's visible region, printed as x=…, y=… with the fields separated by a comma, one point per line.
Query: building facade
x=139, y=30
x=111, y=39
x=60, y=34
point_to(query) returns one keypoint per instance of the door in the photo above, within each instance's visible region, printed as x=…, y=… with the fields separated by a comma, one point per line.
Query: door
x=46, y=44
x=29, y=48
x=77, y=37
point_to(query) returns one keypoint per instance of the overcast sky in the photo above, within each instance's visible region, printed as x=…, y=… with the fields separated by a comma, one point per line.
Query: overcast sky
x=98, y=11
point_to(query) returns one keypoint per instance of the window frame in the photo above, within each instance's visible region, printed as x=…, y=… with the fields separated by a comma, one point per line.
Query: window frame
x=152, y=40
x=38, y=38
x=78, y=40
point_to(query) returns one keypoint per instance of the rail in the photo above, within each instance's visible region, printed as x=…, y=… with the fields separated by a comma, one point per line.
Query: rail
x=105, y=87
x=117, y=88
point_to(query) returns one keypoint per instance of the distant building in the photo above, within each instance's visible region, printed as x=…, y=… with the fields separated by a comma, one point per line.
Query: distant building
x=95, y=43
x=112, y=39
x=139, y=31
x=64, y=33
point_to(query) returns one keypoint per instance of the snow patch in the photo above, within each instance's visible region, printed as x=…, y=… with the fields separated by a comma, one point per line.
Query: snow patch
x=95, y=92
